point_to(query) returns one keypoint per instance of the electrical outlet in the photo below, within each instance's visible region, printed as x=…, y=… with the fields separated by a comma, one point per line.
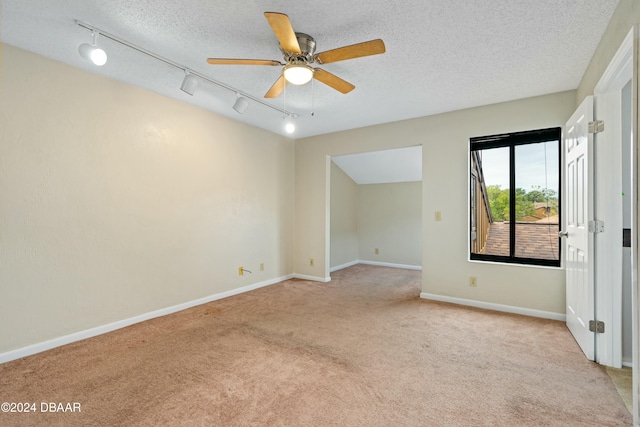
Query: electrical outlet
x=311, y=262
x=241, y=271
x=473, y=281
x=377, y=251
x=262, y=266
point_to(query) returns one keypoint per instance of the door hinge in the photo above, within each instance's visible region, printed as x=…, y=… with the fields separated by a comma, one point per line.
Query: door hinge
x=596, y=226
x=596, y=126
x=596, y=326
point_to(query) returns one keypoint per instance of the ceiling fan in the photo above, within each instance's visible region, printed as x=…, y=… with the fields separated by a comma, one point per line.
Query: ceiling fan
x=298, y=51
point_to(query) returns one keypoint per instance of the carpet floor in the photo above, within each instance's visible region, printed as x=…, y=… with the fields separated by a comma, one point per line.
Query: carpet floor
x=361, y=350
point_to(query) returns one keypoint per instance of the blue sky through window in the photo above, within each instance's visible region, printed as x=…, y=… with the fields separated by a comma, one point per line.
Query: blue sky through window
x=530, y=166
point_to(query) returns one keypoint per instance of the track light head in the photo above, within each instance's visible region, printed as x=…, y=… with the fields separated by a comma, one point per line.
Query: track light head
x=289, y=127
x=241, y=104
x=93, y=53
x=189, y=84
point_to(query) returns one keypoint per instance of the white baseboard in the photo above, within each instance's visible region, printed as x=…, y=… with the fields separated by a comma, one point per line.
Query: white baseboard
x=389, y=264
x=380, y=264
x=99, y=330
x=496, y=307
x=312, y=278
x=340, y=267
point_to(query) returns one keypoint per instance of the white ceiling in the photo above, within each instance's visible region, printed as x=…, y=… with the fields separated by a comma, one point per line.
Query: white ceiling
x=442, y=55
x=377, y=167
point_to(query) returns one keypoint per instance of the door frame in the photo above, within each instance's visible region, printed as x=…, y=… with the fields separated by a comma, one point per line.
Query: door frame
x=608, y=203
x=608, y=260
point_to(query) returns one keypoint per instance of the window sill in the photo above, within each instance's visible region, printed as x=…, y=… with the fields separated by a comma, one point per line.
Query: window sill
x=514, y=264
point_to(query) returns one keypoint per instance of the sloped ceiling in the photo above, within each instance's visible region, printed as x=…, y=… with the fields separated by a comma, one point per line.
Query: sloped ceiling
x=386, y=166
x=442, y=55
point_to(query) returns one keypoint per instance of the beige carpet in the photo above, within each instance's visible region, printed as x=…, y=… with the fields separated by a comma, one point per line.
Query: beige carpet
x=362, y=350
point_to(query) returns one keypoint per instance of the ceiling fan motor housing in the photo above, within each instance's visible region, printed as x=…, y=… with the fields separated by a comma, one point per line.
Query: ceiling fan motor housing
x=307, y=49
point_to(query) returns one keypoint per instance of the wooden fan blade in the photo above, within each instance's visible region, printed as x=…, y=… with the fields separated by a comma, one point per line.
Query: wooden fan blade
x=284, y=31
x=372, y=47
x=333, y=81
x=276, y=89
x=229, y=61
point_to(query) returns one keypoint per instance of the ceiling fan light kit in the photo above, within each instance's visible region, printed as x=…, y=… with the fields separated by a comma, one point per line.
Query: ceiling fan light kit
x=297, y=74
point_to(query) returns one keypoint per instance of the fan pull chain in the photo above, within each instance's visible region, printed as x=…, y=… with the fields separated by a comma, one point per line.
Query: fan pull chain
x=312, y=93
x=284, y=100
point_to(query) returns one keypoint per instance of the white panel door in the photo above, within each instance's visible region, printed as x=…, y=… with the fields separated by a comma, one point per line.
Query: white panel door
x=578, y=148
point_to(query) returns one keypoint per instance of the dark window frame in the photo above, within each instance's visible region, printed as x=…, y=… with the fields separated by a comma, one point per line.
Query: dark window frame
x=474, y=208
x=512, y=140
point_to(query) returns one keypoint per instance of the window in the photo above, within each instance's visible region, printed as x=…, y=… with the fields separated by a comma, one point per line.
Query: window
x=514, y=193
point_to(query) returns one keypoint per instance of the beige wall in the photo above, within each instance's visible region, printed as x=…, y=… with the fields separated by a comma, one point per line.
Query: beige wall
x=390, y=219
x=444, y=137
x=115, y=201
x=446, y=270
x=344, y=218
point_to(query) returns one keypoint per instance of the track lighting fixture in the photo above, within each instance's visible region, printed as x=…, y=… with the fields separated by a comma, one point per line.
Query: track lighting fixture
x=241, y=104
x=189, y=84
x=93, y=53
x=191, y=79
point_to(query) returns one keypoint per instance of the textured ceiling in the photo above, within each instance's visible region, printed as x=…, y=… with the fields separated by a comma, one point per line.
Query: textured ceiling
x=442, y=55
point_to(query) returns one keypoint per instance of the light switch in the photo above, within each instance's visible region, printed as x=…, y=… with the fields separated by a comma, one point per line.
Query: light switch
x=438, y=216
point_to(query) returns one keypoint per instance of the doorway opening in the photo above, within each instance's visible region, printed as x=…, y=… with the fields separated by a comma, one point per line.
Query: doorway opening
x=376, y=209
